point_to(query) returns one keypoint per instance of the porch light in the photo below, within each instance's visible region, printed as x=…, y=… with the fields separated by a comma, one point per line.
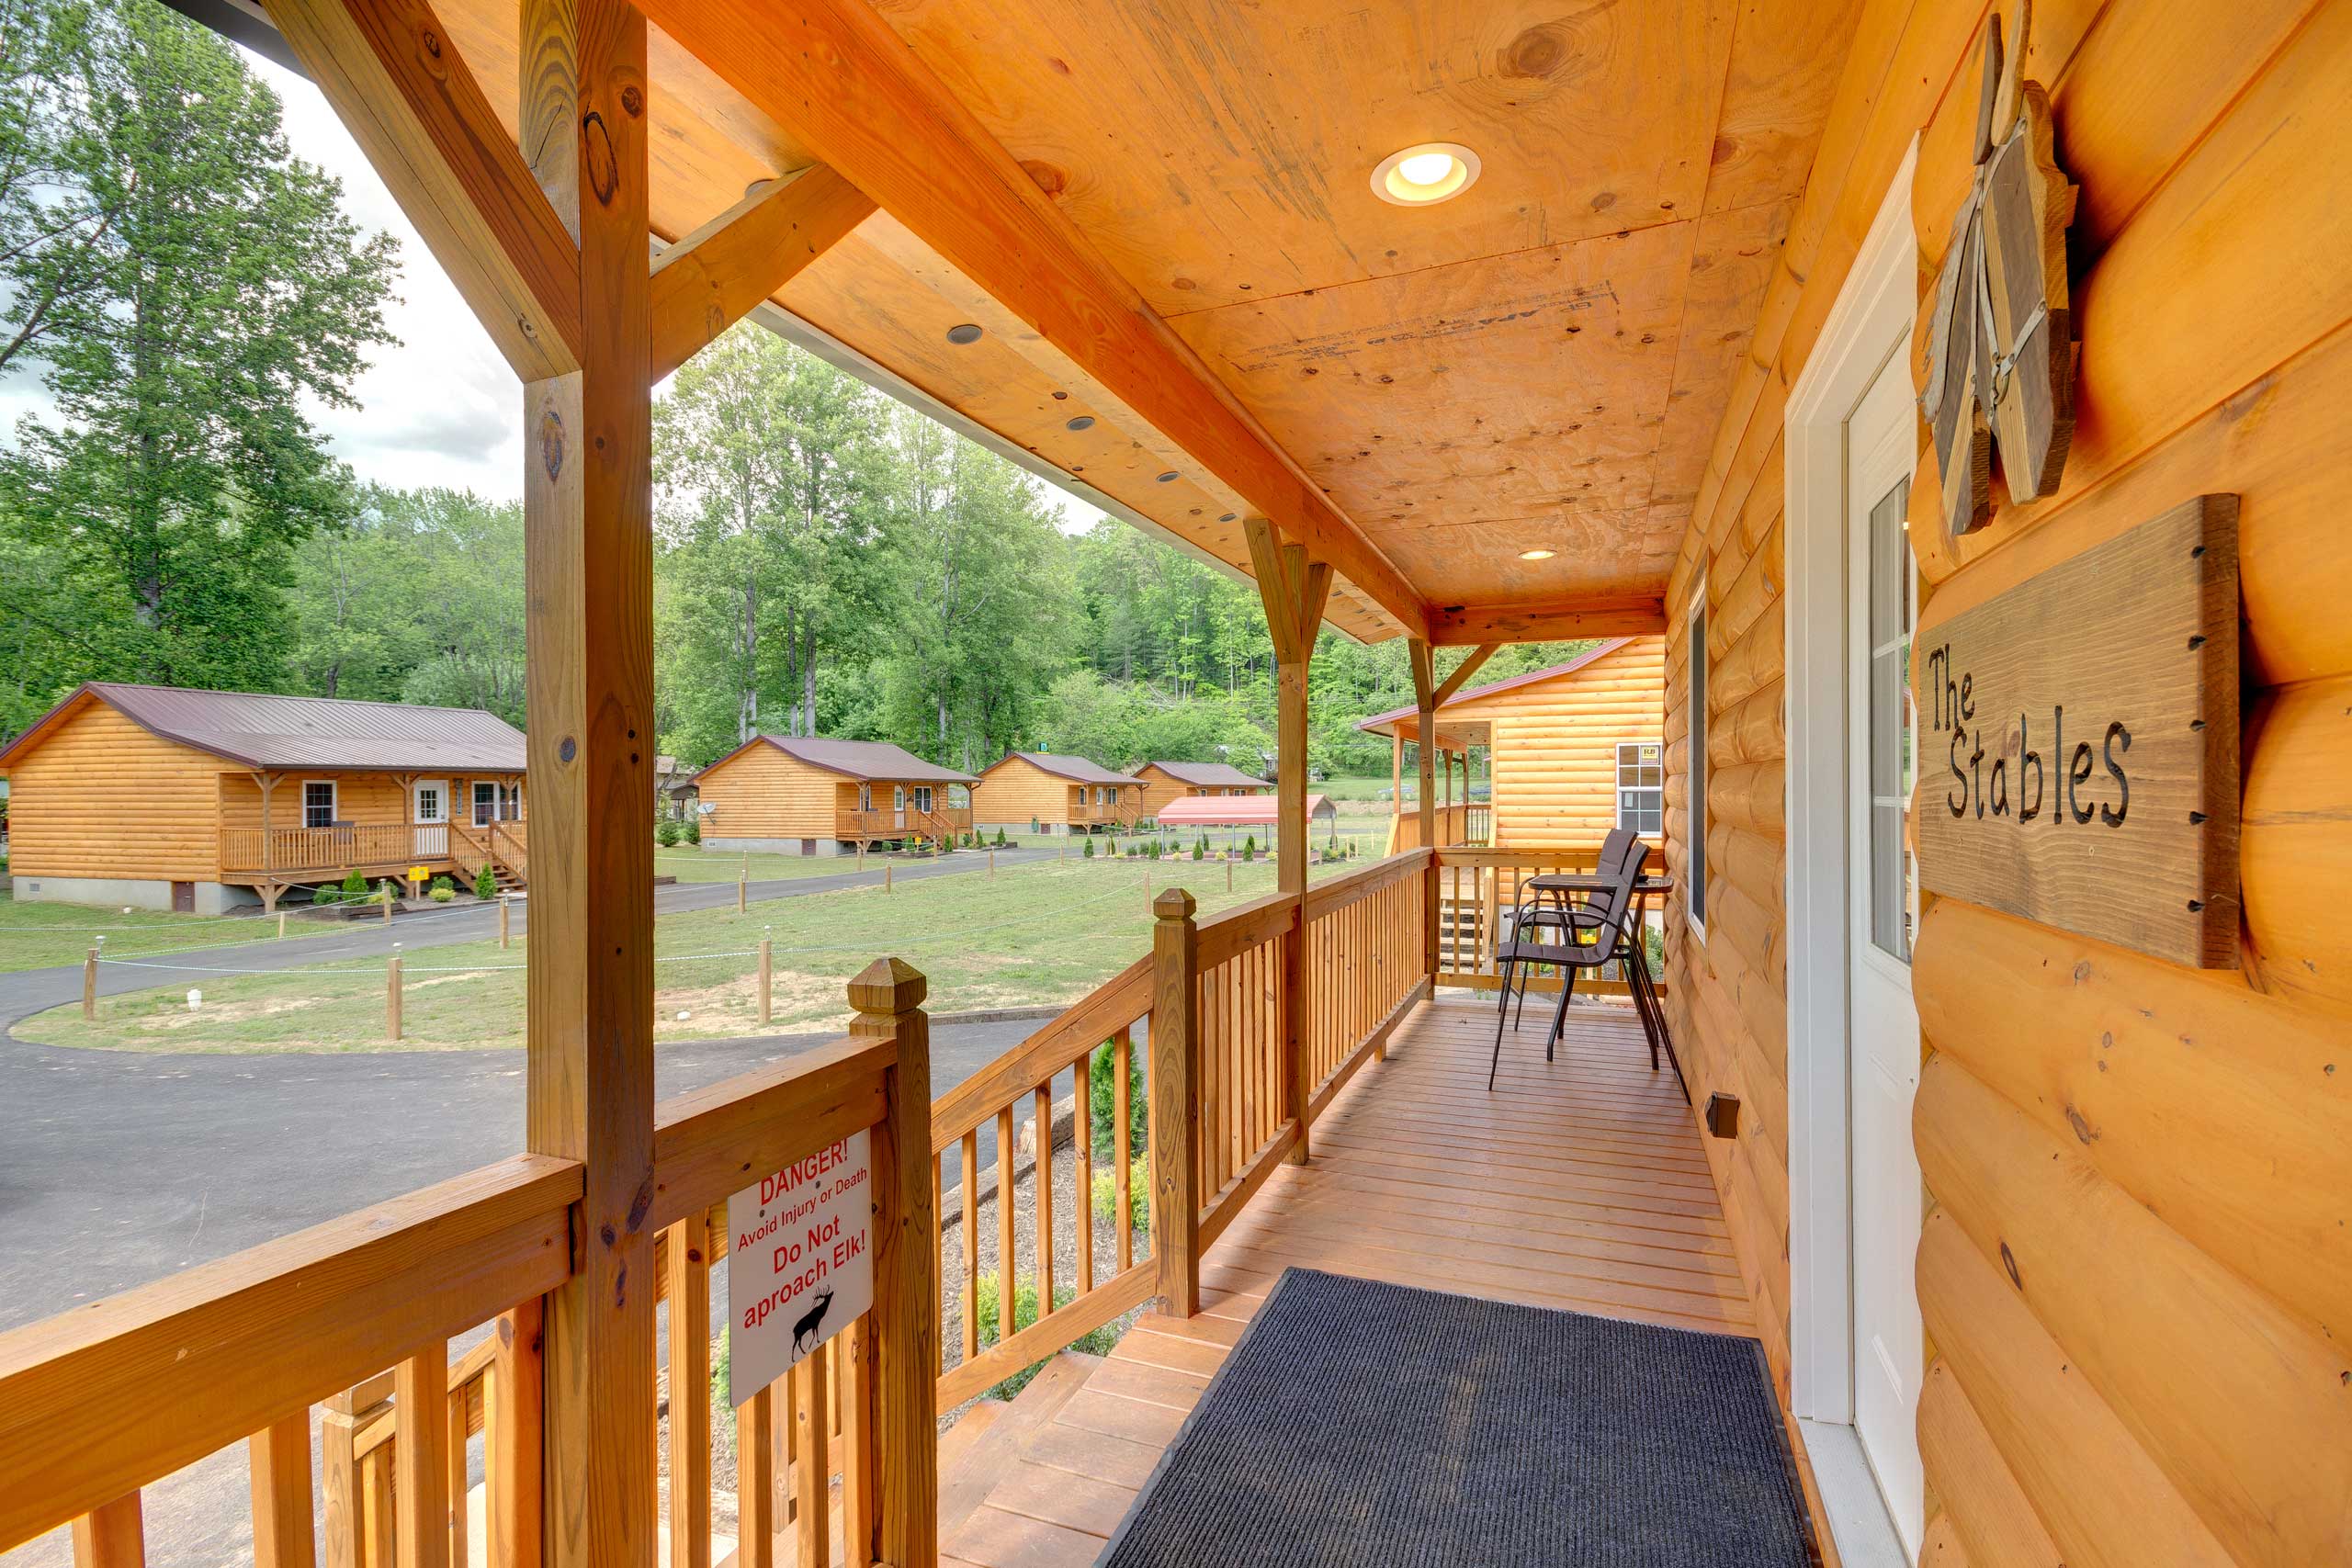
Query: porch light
x=1536, y=555
x=1419, y=175
x=967, y=333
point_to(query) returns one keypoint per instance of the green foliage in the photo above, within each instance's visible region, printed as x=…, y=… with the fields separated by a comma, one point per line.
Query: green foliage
x=1000, y=833
x=443, y=885
x=1106, y=1195
x=1202, y=847
x=666, y=835
x=986, y=1308
x=442, y=893
x=1089, y=846
x=486, y=882
x=1101, y=1084
x=203, y=292
x=694, y=830
x=1250, y=849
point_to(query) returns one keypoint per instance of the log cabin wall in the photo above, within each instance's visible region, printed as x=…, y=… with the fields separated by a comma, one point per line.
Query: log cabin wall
x=1552, y=758
x=1016, y=791
x=761, y=793
x=2136, y=1267
x=101, y=797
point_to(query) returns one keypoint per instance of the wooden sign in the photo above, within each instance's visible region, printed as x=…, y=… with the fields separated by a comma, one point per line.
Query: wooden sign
x=2079, y=742
x=2000, y=350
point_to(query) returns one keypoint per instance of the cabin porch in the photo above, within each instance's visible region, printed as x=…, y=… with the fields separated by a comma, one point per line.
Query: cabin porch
x=279, y=830
x=1581, y=1184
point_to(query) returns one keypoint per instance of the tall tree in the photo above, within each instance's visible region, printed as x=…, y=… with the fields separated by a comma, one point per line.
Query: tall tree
x=179, y=471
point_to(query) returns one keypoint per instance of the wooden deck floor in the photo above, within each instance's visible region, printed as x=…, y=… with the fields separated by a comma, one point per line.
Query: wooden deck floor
x=1576, y=1184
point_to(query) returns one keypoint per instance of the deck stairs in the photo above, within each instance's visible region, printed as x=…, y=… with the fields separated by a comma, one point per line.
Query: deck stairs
x=993, y=1437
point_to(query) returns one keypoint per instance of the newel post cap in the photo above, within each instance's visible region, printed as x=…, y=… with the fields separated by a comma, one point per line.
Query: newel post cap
x=1174, y=905
x=887, y=987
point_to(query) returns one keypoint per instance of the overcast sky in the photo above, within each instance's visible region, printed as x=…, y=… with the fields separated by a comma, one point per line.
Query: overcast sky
x=438, y=407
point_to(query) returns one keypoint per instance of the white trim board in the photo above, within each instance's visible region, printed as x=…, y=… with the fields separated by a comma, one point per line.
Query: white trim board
x=1874, y=309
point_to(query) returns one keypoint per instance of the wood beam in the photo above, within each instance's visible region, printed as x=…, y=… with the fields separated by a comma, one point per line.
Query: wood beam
x=399, y=87
x=713, y=277
x=836, y=75
x=1422, y=658
x=1457, y=625
x=1462, y=671
x=589, y=568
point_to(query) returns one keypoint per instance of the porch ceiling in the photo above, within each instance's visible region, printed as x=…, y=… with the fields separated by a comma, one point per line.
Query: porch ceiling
x=1540, y=363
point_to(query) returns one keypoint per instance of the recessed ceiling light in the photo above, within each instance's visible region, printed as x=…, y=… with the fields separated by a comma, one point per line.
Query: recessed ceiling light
x=1419, y=175
x=1536, y=555
x=968, y=333
x=1227, y=517
x=1083, y=421
x=1166, y=476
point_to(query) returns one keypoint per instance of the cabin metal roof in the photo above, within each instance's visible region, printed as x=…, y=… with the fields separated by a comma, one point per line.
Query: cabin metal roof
x=866, y=760
x=1205, y=774
x=1077, y=770
x=1379, y=722
x=263, y=729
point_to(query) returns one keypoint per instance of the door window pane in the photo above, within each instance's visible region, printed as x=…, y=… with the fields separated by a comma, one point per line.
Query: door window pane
x=1893, y=725
x=1640, y=786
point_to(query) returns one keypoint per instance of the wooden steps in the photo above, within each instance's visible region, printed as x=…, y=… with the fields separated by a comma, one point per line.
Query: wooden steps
x=990, y=1436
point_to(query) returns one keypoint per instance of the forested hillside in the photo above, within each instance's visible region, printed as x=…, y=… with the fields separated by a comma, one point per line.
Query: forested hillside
x=183, y=288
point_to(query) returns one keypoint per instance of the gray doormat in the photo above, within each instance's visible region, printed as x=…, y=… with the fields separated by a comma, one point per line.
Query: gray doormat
x=1366, y=1423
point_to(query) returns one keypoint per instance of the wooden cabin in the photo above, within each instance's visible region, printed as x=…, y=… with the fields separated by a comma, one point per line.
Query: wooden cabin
x=1571, y=751
x=165, y=798
x=1163, y=782
x=1056, y=793
x=807, y=796
x=1931, y=382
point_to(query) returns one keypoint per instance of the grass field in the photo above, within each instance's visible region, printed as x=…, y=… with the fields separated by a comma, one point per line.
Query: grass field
x=35, y=936
x=1035, y=934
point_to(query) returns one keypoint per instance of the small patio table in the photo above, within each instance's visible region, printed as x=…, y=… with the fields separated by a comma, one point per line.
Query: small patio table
x=1565, y=887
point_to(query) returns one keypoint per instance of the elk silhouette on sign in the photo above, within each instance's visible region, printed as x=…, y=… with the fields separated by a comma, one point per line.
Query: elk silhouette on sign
x=2000, y=350
x=805, y=1335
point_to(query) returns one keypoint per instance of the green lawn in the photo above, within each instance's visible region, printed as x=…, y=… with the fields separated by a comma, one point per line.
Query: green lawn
x=690, y=862
x=1034, y=934
x=35, y=936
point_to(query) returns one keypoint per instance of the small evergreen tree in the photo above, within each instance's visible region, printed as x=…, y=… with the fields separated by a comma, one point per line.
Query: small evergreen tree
x=1000, y=833
x=1250, y=849
x=693, y=830
x=666, y=835
x=1200, y=848
x=486, y=882
x=1089, y=846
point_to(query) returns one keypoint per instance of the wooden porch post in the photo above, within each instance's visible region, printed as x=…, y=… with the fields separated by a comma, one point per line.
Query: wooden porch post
x=589, y=566
x=1424, y=702
x=1174, y=1086
x=1293, y=592
x=903, y=1462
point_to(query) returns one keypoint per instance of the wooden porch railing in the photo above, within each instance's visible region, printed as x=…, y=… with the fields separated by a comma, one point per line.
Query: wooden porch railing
x=305, y=851
x=1456, y=826
x=1476, y=886
x=243, y=1348
x=1027, y=1074
x=888, y=823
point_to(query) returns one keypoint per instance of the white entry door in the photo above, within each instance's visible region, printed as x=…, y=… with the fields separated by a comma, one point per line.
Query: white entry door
x=432, y=815
x=899, y=804
x=1881, y=904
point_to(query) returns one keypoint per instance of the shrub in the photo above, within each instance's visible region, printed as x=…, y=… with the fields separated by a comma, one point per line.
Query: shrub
x=1101, y=1095
x=693, y=830
x=486, y=882
x=1250, y=849
x=666, y=835
x=987, y=1310
x=442, y=892
x=443, y=885
x=999, y=832
x=1200, y=849
x=1033, y=825
x=1089, y=846
x=1106, y=1196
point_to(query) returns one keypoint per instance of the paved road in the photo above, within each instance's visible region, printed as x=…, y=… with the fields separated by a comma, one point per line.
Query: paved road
x=118, y=1167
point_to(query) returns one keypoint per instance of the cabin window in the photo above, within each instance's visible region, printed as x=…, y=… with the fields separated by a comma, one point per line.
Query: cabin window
x=318, y=803
x=1640, y=786
x=1694, y=852
x=922, y=799
x=866, y=797
x=510, y=802
x=485, y=802
x=1894, y=724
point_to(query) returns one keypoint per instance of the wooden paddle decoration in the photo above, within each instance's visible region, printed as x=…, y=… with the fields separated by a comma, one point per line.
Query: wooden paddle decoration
x=2000, y=369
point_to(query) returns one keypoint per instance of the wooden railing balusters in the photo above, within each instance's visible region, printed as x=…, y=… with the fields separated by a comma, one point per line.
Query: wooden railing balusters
x=278, y=1459
x=689, y=1262
x=1122, y=1137
x=114, y=1536
x=1082, y=1169
x=1005, y=1283
x=421, y=1474
x=755, y=1480
x=811, y=1469
x=971, y=1238
x=1043, y=1181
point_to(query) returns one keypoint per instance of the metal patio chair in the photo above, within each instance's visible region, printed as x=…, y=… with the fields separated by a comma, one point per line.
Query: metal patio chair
x=1593, y=936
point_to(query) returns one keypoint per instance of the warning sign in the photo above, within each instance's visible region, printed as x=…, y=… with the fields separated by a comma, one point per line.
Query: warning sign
x=799, y=1262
